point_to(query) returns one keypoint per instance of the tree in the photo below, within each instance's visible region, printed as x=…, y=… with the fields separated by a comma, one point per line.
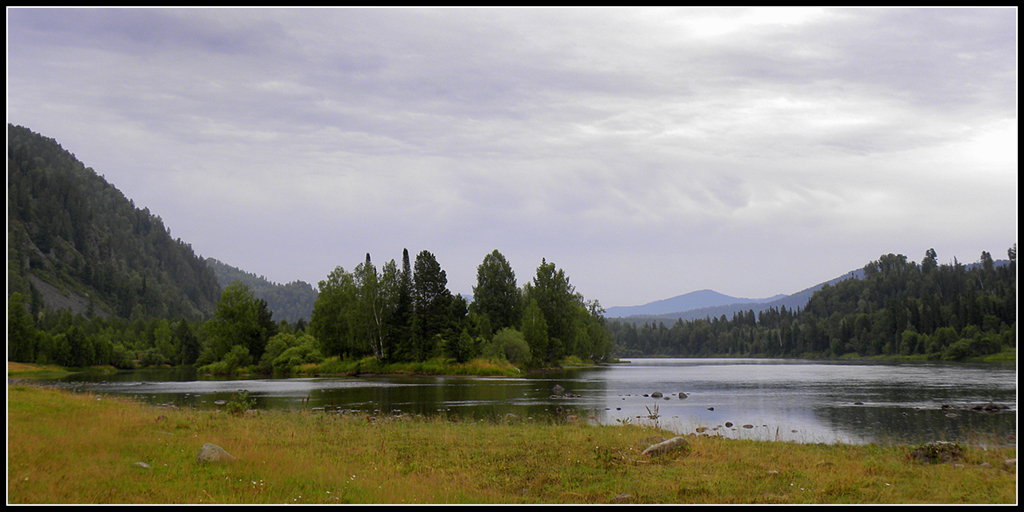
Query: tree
x=558, y=303
x=401, y=332
x=929, y=263
x=431, y=304
x=535, y=332
x=377, y=297
x=21, y=331
x=187, y=342
x=496, y=294
x=331, y=319
x=241, y=320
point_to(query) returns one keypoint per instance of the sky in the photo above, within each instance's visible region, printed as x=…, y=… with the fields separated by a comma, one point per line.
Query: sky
x=647, y=152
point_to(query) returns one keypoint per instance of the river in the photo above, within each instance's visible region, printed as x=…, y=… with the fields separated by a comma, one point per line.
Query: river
x=773, y=399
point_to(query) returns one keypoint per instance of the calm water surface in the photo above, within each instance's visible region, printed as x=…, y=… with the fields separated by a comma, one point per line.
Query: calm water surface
x=789, y=400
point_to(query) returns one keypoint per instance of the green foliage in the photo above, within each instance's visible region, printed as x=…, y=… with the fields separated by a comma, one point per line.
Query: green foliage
x=239, y=404
x=512, y=346
x=71, y=229
x=432, y=305
x=899, y=308
x=241, y=320
x=286, y=351
x=291, y=302
x=535, y=332
x=496, y=296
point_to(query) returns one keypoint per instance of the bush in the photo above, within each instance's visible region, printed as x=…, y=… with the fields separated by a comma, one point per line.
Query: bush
x=240, y=403
x=285, y=351
x=152, y=357
x=513, y=345
x=296, y=356
x=958, y=351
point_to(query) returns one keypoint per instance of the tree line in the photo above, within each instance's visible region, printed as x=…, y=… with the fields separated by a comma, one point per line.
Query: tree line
x=394, y=314
x=899, y=308
x=290, y=301
x=405, y=312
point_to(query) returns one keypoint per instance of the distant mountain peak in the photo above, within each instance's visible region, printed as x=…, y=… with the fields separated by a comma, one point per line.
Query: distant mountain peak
x=694, y=300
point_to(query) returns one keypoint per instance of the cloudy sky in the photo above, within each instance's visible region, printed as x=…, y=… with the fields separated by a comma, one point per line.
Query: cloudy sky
x=646, y=152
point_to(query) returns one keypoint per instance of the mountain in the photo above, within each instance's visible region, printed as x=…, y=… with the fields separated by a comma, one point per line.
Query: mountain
x=291, y=302
x=694, y=300
x=75, y=242
x=707, y=303
x=795, y=301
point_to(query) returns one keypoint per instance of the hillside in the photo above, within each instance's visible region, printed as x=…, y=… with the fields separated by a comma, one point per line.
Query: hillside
x=75, y=242
x=702, y=299
x=291, y=302
x=795, y=301
x=894, y=307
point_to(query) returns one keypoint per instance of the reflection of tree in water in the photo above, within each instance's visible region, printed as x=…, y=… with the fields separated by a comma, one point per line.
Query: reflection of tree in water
x=908, y=426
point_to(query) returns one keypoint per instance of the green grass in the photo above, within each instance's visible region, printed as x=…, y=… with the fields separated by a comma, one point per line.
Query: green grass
x=67, y=448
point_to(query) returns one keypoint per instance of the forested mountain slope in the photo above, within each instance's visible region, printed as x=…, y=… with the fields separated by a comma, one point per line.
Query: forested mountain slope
x=291, y=302
x=898, y=307
x=76, y=242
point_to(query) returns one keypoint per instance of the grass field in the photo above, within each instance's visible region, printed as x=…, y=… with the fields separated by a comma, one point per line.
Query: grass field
x=70, y=448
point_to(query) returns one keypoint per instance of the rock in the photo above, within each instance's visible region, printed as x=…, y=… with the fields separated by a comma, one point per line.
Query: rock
x=748, y=426
x=558, y=390
x=656, y=394
x=142, y=465
x=682, y=395
x=711, y=408
x=671, y=445
x=728, y=424
x=621, y=498
x=213, y=453
x=1010, y=464
x=937, y=452
x=652, y=440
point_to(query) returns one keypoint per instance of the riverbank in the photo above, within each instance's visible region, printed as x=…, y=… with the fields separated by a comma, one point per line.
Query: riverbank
x=68, y=447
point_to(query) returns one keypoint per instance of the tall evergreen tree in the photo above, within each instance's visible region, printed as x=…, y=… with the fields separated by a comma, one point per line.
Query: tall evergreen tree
x=402, y=319
x=431, y=304
x=496, y=294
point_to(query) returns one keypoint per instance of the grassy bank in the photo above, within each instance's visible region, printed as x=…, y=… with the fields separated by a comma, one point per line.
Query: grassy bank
x=78, y=448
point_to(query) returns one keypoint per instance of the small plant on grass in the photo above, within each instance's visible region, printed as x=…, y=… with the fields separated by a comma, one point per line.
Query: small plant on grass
x=240, y=403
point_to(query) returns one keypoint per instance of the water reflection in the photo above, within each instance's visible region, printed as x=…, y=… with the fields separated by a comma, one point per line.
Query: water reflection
x=805, y=401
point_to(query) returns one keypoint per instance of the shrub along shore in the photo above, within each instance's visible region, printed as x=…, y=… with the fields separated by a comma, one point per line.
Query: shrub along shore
x=73, y=448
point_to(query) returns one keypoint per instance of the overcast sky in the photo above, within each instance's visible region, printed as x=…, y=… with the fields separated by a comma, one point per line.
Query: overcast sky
x=646, y=152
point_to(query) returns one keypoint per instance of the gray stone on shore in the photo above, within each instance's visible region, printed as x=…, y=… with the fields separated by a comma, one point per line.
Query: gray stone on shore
x=622, y=498
x=213, y=453
x=671, y=445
